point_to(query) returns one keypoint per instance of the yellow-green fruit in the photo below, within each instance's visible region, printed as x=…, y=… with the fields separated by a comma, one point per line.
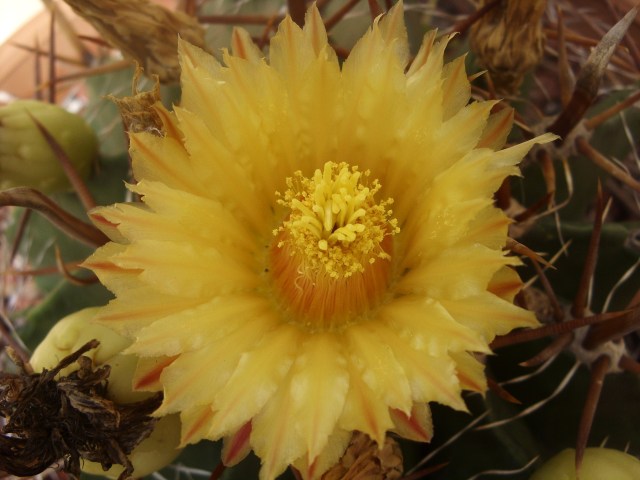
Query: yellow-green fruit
x=27, y=160
x=69, y=334
x=597, y=464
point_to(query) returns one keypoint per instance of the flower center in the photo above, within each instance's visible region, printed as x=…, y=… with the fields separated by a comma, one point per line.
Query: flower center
x=331, y=256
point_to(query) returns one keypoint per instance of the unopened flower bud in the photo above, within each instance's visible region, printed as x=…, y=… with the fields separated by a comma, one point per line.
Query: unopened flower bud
x=73, y=331
x=27, y=160
x=597, y=464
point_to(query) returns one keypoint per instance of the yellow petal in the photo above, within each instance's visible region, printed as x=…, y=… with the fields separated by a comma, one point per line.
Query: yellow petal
x=199, y=326
x=319, y=372
x=428, y=327
x=364, y=409
x=236, y=446
x=417, y=426
x=489, y=315
x=258, y=375
x=194, y=378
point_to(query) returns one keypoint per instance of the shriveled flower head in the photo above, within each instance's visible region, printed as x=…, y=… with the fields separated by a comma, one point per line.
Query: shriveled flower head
x=317, y=250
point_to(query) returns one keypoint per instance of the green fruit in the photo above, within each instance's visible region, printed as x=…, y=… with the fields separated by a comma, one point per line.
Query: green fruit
x=597, y=464
x=27, y=160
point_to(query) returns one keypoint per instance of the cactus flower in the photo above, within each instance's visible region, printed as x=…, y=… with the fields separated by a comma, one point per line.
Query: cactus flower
x=316, y=251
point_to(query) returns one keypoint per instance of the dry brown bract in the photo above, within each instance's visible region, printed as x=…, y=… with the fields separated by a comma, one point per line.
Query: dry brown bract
x=363, y=460
x=144, y=32
x=51, y=420
x=508, y=40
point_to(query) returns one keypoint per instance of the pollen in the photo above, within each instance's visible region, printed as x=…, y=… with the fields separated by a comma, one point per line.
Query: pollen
x=336, y=238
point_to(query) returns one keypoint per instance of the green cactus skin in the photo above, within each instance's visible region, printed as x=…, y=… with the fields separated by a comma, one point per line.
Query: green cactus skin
x=26, y=159
x=598, y=464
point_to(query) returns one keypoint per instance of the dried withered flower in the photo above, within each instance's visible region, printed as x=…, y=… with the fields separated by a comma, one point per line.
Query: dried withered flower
x=363, y=460
x=508, y=40
x=51, y=420
x=137, y=111
x=143, y=32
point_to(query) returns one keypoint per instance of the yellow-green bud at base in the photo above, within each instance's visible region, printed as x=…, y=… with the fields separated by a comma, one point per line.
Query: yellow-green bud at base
x=27, y=160
x=597, y=464
x=72, y=332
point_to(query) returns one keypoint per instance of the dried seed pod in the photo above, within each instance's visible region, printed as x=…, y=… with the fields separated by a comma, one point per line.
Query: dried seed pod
x=509, y=41
x=27, y=160
x=363, y=460
x=143, y=32
x=160, y=447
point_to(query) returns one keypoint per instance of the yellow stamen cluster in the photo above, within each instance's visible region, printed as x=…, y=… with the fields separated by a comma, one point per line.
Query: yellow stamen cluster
x=335, y=223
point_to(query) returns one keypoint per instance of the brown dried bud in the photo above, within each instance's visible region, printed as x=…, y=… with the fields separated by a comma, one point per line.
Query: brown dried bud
x=137, y=111
x=142, y=31
x=508, y=40
x=64, y=419
x=363, y=460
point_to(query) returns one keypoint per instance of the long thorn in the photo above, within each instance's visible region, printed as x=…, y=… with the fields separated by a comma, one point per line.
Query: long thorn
x=604, y=163
x=462, y=26
x=550, y=351
x=629, y=364
x=71, y=278
x=297, y=9
x=237, y=19
x=217, y=472
x=599, y=119
x=24, y=220
x=52, y=56
x=567, y=79
x=339, y=15
x=598, y=372
x=12, y=339
x=558, y=312
x=375, y=9
x=37, y=72
x=523, y=336
x=588, y=82
x=69, y=169
x=31, y=198
x=580, y=301
x=612, y=330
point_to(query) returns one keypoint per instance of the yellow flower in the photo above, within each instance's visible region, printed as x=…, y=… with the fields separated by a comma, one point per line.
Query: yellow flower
x=317, y=250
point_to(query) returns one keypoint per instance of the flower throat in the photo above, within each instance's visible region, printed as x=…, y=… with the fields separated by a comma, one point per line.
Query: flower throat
x=330, y=258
